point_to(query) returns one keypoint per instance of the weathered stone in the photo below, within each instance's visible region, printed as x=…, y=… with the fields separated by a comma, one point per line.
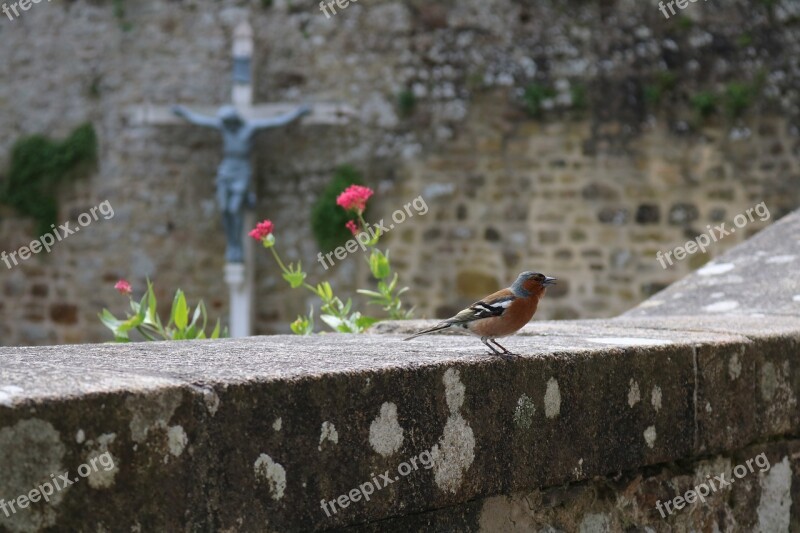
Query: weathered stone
x=599, y=191
x=680, y=214
x=492, y=235
x=40, y=290
x=473, y=284
x=648, y=214
x=609, y=215
x=64, y=313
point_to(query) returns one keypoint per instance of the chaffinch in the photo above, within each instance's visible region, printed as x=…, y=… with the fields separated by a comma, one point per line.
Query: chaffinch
x=500, y=314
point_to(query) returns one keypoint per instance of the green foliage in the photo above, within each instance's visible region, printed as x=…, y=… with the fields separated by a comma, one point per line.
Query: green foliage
x=474, y=80
x=266, y=4
x=304, y=325
x=39, y=165
x=685, y=23
x=663, y=83
x=704, y=103
x=652, y=95
x=328, y=219
x=340, y=315
x=744, y=40
x=119, y=14
x=578, y=96
x=534, y=97
x=406, y=103
x=94, y=87
x=738, y=97
x=388, y=299
x=146, y=321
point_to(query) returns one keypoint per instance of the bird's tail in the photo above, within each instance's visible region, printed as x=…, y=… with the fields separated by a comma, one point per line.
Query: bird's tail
x=437, y=327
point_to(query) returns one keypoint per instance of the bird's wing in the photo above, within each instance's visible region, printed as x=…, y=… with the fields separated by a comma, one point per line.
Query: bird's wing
x=494, y=305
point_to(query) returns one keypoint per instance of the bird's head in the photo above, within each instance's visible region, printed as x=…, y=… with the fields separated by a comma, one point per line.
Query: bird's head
x=531, y=283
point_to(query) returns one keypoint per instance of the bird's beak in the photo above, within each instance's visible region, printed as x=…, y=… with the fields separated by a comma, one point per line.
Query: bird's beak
x=549, y=281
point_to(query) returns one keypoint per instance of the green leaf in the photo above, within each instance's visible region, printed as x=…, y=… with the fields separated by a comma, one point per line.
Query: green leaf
x=364, y=322
x=133, y=322
x=180, y=312
x=215, y=333
x=332, y=321
x=374, y=240
x=304, y=325
x=151, y=318
x=379, y=265
x=199, y=311
x=295, y=279
x=109, y=320
x=369, y=293
x=325, y=291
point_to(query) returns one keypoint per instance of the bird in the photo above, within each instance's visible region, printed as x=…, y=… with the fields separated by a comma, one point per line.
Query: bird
x=501, y=313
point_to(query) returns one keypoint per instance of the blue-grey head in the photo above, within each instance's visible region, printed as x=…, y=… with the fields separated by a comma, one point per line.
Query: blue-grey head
x=529, y=282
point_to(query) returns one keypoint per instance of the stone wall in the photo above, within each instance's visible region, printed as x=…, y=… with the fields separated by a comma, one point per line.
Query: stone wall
x=594, y=426
x=615, y=165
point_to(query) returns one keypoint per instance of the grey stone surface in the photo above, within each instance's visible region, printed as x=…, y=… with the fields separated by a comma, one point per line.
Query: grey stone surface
x=251, y=434
x=762, y=500
x=757, y=278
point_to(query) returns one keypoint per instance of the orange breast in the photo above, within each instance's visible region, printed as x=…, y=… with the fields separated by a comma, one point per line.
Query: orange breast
x=517, y=315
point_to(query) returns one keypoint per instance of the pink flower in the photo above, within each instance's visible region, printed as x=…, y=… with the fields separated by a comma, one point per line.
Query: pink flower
x=262, y=230
x=353, y=227
x=354, y=198
x=123, y=287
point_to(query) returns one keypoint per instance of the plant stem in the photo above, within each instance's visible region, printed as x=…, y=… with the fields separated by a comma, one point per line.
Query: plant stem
x=278, y=259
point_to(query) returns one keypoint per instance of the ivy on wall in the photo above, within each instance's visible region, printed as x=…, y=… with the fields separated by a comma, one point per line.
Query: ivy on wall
x=39, y=165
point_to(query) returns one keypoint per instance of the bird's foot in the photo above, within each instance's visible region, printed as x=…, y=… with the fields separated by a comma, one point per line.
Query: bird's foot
x=505, y=350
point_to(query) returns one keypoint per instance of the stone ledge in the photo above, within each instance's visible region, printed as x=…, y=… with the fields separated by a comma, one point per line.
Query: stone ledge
x=191, y=421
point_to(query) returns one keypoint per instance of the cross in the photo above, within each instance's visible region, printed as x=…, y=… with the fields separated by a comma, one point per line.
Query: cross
x=239, y=122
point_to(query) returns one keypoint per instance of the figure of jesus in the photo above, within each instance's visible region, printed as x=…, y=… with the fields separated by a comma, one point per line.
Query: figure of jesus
x=233, y=174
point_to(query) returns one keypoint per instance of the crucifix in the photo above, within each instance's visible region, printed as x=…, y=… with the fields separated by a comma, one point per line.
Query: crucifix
x=238, y=123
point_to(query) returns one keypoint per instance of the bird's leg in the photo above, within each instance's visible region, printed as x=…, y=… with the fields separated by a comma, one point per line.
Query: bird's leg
x=505, y=351
x=492, y=348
